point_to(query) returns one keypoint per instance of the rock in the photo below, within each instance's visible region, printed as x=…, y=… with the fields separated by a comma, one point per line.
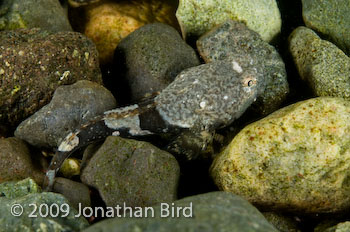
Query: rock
x=12, y=190
x=79, y=3
x=281, y=222
x=341, y=227
x=324, y=66
x=215, y=211
x=35, y=63
x=76, y=193
x=70, y=167
x=151, y=57
x=295, y=159
x=197, y=17
x=15, y=193
x=71, y=106
x=16, y=162
x=107, y=22
x=3, y=131
x=325, y=224
x=132, y=172
x=331, y=19
x=16, y=14
x=233, y=39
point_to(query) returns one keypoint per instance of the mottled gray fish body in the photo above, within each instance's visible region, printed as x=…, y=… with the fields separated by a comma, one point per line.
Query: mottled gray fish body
x=210, y=95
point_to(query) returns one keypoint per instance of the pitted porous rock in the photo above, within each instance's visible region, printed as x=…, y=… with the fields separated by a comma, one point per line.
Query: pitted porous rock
x=234, y=39
x=210, y=95
x=33, y=63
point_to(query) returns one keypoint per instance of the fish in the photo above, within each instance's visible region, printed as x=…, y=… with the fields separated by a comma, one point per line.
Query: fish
x=201, y=99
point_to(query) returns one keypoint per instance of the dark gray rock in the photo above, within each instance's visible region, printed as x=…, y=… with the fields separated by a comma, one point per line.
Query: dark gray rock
x=151, y=57
x=76, y=193
x=215, y=211
x=26, y=193
x=35, y=62
x=16, y=162
x=45, y=14
x=134, y=172
x=233, y=39
x=71, y=106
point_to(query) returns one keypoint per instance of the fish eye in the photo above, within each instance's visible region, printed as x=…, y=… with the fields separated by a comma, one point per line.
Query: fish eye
x=249, y=82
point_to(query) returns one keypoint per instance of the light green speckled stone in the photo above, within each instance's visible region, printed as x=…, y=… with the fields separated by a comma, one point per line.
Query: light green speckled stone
x=341, y=227
x=197, y=17
x=322, y=64
x=296, y=159
x=331, y=18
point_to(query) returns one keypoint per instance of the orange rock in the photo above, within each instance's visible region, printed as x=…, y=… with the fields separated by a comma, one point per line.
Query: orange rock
x=107, y=22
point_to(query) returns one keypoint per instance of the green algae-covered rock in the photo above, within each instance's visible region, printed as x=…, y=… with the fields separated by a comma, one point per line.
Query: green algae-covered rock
x=296, y=159
x=323, y=65
x=215, y=211
x=331, y=18
x=282, y=222
x=197, y=17
x=341, y=227
x=12, y=190
x=25, y=193
x=45, y=14
x=235, y=40
x=132, y=172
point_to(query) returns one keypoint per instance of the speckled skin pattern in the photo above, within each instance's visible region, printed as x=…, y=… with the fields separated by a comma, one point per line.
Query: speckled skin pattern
x=234, y=39
x=210, y=95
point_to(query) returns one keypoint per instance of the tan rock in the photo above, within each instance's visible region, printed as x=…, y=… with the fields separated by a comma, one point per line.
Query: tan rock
x=296, y=159
x=108, y=22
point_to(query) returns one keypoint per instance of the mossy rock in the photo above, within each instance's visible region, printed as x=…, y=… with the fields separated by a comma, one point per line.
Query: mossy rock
x=296, y=159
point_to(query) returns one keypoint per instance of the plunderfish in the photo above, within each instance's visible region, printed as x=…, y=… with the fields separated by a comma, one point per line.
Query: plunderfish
x=201, y=99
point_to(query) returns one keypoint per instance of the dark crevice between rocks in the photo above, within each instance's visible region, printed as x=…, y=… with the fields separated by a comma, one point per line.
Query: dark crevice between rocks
x=291, y=14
